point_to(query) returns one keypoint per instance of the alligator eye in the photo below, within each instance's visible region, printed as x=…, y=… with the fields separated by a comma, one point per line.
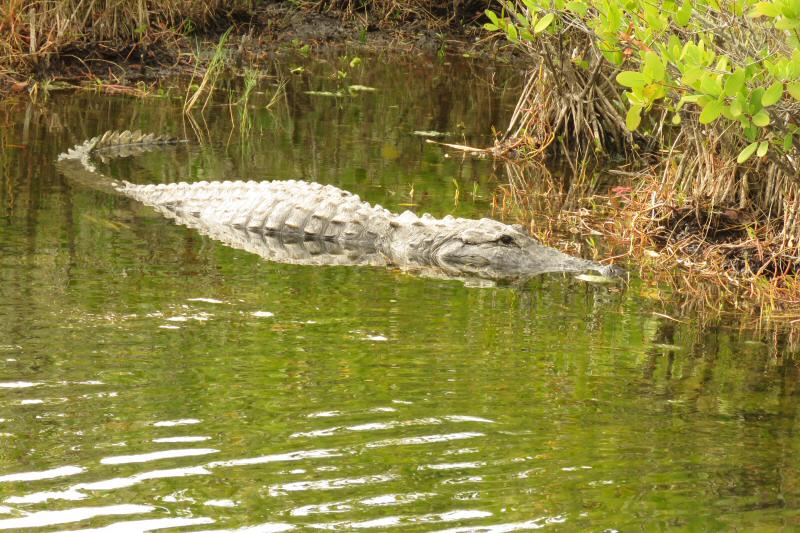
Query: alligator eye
x=506, y=239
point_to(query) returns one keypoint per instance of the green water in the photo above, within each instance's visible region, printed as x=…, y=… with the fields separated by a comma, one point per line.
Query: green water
x=151, y=378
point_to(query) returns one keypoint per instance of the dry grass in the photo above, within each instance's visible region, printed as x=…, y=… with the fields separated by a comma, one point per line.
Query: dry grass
x=388, y=13
x=33, y=33
x=741, y=250
x=711, y=261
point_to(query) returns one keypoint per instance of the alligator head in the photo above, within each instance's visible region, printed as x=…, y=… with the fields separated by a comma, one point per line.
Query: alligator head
x=491, y=249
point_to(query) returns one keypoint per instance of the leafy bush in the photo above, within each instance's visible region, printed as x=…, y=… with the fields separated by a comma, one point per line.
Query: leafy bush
x=731, y=64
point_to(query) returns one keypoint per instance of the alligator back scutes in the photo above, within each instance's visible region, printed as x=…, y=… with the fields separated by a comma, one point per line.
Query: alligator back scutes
x=271, y=207
x=283, y=248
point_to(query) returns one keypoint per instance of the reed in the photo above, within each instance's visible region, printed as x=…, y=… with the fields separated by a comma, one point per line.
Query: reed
x=210, y=76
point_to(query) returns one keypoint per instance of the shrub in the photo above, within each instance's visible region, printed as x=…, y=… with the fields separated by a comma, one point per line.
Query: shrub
x=714, y=86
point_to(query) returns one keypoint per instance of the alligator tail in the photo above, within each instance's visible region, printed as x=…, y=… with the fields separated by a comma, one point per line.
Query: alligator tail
x=77, y=162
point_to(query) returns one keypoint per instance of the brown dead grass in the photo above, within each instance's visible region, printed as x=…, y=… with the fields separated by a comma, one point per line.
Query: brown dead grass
x=35, y=34
x=712, y=260
x=388, y=13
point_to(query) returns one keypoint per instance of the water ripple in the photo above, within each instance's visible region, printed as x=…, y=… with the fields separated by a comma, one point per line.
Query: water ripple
x=220, y=503
x=171, y=423
x=142, y=526
x=275, y=527
x=44, y=496
x=324, y=414
x=51, y=518
x=375, y=426
x=329, y=484
x=397, y=521
x=348, y=505
x=452, y=466
x=425, y=439
x=155, y=456
x=197, y=438
x=290, y=456
x=396, y=499
x=537, y=523
x=18, y=384
x=74, y=492
x=122, y=482
x=45, y=474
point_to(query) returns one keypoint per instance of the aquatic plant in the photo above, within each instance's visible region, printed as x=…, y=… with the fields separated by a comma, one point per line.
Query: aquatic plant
x=210, y=76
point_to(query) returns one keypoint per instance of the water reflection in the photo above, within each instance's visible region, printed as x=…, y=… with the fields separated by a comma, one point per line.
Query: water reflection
x=289, y=397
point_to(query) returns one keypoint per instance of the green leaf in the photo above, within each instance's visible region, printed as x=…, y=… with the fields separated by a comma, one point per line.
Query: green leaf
x=490, y=27
x=735, y=82
x=793, y=66
x=543, y=23
x=578, y=7
x=684, y=14
x=736, y=108
x=511, y=33
x=635, y=97
x=761, y=119
x=787, y=142
x=653, y=67
x=631, y=78
x=745, y=154
x=694, y=98
x=711, y=111
x=754, y=102
x=688, y=98
x=772, y=95
x=711, y=84
x=676, y=119
x=794, y=90
x=653, y=92
x=767, y=9
x=763, y=146
x=493, y=17
x=785, y=23
x=691, y=74
x=726, y=112
x=634, y=117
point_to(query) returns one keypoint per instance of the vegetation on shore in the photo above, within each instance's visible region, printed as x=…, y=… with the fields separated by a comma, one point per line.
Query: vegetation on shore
x=45, y=38
x=703, y=99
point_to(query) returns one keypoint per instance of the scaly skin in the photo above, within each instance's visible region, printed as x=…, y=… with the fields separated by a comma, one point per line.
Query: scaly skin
x=309, y=223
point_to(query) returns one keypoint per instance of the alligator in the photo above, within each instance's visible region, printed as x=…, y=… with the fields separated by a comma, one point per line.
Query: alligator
x=304, y=222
